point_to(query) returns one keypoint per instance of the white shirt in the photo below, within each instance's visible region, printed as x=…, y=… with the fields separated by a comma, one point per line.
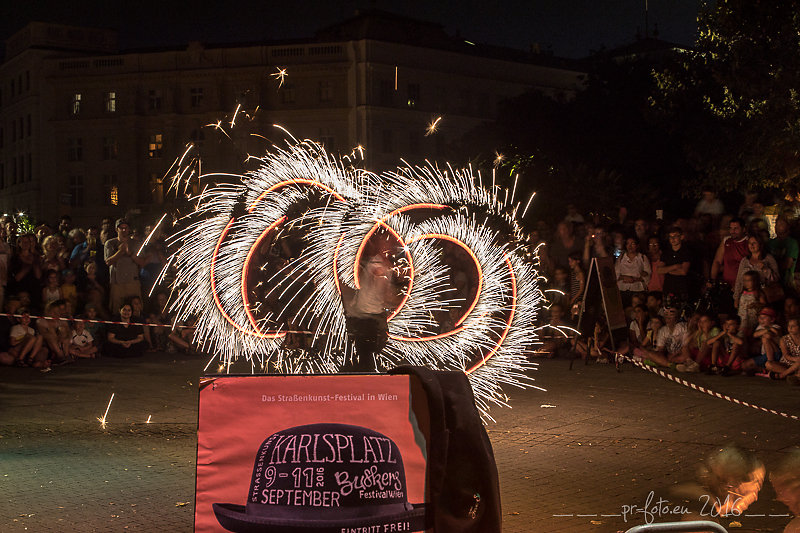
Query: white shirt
x=84, y=338
x=638, y=267
x=671, y=341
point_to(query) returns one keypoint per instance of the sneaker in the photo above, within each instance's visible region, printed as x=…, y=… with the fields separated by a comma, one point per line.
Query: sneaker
x=602, y=360
x=793, y=379
x=682, y=367
x=713, y=370
x=692, y=367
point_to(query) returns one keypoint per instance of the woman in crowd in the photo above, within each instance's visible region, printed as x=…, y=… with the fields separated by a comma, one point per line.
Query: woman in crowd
x=125, y=339
x=759, y=260
x=25, y=269
x=633, y=271
x=52, y=258
x=656, y=283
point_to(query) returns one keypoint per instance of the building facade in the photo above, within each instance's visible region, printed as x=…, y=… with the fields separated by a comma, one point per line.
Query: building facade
x=89, y=131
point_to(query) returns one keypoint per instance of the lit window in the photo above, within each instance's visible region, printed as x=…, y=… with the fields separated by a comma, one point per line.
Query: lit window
x=156, y=146
x=197, y=96
x=154, y=99
x=75, y=149
x=110, y=148
x=110, y=191
x=111, y=102
x=76, y=103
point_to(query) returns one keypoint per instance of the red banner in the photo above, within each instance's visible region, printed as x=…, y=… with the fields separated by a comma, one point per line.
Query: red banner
x=309, y=454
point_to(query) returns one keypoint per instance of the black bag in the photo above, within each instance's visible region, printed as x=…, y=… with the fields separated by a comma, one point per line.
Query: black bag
x=464, y=487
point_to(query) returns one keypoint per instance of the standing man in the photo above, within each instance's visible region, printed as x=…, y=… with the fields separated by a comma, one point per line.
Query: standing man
x=784, y=249
x=730, y=253
x=123, y=264
x=675, y=269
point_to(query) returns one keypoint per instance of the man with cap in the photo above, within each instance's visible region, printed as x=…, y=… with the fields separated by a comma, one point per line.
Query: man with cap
x=123, y=264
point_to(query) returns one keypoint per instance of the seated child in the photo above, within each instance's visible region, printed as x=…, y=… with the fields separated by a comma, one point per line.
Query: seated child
x=768, y=333
x=697, y=348
x=726, y=348
x=82, y=343
x=26, y=346
x=95, y=329
x=788, y=366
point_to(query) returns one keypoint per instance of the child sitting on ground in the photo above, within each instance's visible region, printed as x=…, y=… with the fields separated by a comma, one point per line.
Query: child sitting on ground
x=726, y=348
x=26, y=346
x=767, y=334
x=697, y=348
x=82, y=343
x=788, y=367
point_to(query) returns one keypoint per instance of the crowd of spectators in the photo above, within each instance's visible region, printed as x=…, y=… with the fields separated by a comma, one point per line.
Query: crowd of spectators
x=69, y=293
x=713, y=292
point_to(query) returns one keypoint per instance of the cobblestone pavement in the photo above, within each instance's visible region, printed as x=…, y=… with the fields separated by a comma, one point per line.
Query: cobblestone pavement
x=570, y=459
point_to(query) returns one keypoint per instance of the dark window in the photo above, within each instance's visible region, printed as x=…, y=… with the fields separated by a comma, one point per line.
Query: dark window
x=288, y=94
x=196, y=96
x=154, y=100
x=30, y=129
x=413, y=94
x=75, y=149
x=110, y=148
x=385, y=93
x=325, y=91
x=30, y=166
x=198, y=137
x=76, y=191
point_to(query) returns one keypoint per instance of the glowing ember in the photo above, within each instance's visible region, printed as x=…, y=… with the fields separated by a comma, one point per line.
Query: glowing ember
x=433, y=126
x=280, y=75
x=103, y=420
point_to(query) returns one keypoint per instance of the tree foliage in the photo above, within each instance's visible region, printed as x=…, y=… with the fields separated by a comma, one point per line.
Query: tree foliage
x=599, y=149
x=734, y=100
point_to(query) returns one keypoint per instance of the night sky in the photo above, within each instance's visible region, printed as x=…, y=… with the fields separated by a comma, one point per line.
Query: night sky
x=570, y=28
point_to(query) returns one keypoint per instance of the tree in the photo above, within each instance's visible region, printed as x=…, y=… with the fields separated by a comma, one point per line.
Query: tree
x=600, y=149
x=735, y=99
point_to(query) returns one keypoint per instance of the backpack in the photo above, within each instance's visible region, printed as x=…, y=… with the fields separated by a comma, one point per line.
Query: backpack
x=463, y=483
